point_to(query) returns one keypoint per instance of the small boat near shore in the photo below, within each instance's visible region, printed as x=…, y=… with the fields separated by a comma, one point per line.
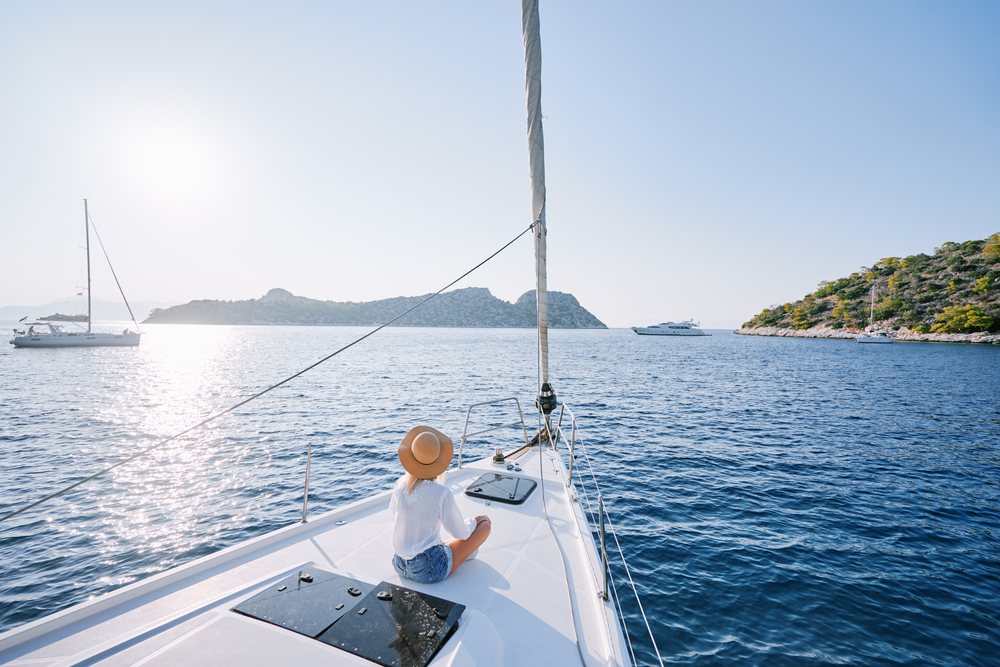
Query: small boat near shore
x=688, y=328
x=876, y=337
x=871, y=336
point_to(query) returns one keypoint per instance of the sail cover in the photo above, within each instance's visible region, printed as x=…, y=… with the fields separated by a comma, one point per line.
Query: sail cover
x=536, y=166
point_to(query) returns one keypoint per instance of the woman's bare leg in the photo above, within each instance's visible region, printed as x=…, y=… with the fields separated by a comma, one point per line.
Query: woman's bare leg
x=462, y=549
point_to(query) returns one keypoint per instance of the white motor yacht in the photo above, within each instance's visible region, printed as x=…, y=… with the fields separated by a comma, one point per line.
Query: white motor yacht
x=689, y=328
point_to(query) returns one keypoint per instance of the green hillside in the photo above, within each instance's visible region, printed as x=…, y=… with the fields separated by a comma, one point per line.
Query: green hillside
x=955, y=290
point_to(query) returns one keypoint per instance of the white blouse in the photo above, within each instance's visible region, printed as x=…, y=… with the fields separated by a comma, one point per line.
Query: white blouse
x=418, y=517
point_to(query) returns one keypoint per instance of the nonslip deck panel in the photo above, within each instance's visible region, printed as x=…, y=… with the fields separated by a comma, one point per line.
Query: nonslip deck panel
x=402, y=628
x=387, y=624
x=501, y=488
x=308, y=602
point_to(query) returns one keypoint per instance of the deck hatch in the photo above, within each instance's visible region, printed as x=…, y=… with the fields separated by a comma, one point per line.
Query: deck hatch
x=308, y=602
x=399, y=627
x=501, y=488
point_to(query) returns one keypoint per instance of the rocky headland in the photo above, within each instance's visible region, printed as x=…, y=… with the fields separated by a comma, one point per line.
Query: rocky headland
x=901, y=334
x=952, y=296
x=470, y=307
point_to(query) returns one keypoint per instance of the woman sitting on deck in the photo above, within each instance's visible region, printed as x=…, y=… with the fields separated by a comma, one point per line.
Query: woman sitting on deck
x=420, y=505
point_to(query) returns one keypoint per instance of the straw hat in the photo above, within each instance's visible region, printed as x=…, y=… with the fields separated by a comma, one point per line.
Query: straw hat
x=425, y=452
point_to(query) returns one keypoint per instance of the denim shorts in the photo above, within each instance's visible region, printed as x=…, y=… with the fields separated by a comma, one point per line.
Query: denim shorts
x=427, y=567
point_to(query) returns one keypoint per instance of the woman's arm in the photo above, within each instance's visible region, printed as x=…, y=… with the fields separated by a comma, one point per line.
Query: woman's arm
x=392, y=502
x=452, y=520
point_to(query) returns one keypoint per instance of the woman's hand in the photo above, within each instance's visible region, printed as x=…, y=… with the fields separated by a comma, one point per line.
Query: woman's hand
x=481, y=518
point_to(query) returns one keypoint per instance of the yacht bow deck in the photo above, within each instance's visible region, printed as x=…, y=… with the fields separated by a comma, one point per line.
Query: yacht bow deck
x=531, y=595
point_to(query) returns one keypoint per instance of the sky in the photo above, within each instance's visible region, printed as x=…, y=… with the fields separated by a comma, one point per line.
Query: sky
x=703, y=159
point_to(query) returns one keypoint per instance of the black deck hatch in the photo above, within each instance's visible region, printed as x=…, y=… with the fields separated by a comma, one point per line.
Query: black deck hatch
x=308, y=602
x=501, y=488
x=396, y=627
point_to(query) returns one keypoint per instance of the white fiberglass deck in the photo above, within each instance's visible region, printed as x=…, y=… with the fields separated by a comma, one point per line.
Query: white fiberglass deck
x=531, y=595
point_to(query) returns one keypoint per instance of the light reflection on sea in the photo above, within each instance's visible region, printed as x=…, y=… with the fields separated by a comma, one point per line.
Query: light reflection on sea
x=781, y=500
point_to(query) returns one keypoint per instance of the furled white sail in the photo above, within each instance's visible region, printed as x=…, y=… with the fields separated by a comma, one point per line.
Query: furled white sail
x=536, y=165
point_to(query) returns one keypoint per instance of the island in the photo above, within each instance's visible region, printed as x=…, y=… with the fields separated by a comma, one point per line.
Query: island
x=950, y=296
x=472, y=307
x=59, y=317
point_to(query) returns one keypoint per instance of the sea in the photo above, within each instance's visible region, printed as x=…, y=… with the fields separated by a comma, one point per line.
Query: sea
x=778, y=501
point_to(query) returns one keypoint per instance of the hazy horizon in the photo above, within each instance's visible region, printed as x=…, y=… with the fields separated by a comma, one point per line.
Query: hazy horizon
x=115, y=310
x=706, y=159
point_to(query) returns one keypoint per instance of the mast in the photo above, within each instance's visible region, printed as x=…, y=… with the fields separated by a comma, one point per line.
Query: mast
x=871, y=313
x=86, y=228
x=536, y=167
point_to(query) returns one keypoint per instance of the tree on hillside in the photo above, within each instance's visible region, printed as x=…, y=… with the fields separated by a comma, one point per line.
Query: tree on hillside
x=886, y=266
x=991, y=251
x=962, y=319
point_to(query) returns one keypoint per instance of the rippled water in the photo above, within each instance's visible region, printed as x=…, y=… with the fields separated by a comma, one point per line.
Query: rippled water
x=780, y=501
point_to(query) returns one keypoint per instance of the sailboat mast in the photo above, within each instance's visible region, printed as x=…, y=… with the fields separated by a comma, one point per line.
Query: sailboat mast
x=86, y=228
x=871, y=313
x=536, y=166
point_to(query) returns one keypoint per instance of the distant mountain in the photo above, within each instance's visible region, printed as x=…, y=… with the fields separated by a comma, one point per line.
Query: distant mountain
x=955, y=290
x=470, y=307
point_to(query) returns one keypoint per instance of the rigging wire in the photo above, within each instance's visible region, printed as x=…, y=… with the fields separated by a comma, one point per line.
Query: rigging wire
x=163, y=442
x=120, y=290
x=614, y=586
x=632, y=583
x=635, y=592
x=621, y=613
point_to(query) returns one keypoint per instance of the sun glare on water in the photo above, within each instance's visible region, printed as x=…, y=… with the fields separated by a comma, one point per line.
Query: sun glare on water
x=158, y=500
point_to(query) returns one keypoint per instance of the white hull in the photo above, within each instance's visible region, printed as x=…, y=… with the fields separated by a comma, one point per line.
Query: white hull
x=94, y=339
x=653, y=332
x=670, y=329
x=865, y=338
x=531, y=594
x=56, y=335
x=871, y=335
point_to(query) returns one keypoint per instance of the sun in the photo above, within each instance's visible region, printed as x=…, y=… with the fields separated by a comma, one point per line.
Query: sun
x=170, y=157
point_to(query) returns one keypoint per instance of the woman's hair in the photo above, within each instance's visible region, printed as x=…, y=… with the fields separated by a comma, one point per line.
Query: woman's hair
x=412, y=481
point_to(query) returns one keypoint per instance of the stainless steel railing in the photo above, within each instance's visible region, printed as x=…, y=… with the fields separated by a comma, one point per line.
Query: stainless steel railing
x=606, y=578
x=604, y=550
x=305, y=495
x=465, y=430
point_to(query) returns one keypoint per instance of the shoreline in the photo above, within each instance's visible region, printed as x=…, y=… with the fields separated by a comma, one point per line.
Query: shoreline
x=903, y=334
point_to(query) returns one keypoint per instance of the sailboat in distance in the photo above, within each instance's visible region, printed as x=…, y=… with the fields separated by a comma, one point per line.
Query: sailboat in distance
x=870, y=336
x=47, y=334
